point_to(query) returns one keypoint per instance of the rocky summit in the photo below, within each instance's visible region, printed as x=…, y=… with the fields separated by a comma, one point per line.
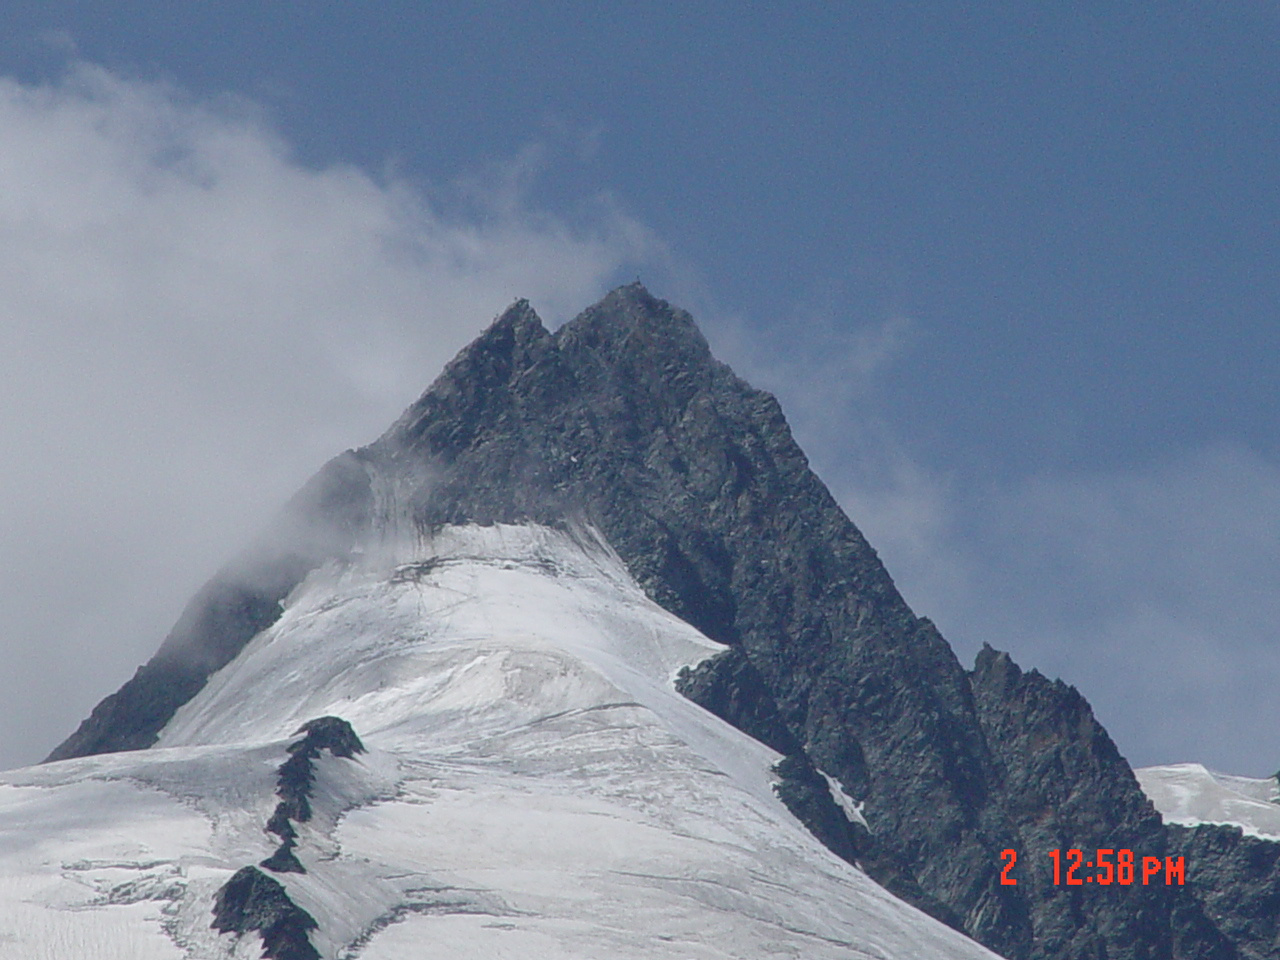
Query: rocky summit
x=623, y=421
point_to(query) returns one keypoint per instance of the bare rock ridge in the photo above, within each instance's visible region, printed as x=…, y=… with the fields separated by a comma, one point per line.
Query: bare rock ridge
x=294, y=781
x=624, y=419
x=253, y=901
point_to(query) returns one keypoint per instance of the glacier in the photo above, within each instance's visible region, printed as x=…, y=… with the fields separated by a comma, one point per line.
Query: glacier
x=533, y=786
x=1190, y=795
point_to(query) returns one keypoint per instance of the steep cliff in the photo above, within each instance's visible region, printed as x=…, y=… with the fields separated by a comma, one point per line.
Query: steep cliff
x=623, y=419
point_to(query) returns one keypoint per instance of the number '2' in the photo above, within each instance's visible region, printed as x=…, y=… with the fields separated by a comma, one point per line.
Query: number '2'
x=1012, y=857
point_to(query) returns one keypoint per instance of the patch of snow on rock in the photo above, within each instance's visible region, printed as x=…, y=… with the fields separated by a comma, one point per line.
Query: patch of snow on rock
x=851, y=808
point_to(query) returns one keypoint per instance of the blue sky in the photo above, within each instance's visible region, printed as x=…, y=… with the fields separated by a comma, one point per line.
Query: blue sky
x=1010, y=269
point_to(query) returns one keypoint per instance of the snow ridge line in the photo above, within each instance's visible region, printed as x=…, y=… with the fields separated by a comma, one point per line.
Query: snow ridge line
x=251, y=900
x=294, y=781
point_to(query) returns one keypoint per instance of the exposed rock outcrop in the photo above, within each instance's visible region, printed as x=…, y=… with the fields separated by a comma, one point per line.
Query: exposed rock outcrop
x=253, y=902
x=622, y=418
x=294, y=782
x=1237, y=878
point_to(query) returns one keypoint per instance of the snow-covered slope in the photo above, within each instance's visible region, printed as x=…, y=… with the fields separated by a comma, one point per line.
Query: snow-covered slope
x=533, y=787
x=1188, y=794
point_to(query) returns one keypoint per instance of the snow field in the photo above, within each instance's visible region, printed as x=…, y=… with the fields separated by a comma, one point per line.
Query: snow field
x=88, y=869
x=534, y=785
x=1187, y=794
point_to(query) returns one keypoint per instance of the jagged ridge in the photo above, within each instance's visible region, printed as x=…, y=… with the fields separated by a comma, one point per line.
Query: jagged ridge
x=295, y=779
x=624, y=418
x=252, y=901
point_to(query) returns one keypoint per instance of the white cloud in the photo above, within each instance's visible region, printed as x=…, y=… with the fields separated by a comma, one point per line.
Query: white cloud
x=191, y=322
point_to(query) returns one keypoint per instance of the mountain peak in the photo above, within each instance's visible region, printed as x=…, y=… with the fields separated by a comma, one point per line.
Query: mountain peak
x=520, y=319
x=484, y=368
x=630, y=321
x=622, y=422
x=507, y=345
x=634, y=295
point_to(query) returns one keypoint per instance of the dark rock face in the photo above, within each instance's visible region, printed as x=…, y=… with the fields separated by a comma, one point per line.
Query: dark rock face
x=728, y=686
x=284, y=860
x=1066, y=786
x=295, y=779
x=623, y=419
x=1237, y=878
x=252, y=901
x=327, y=733
x=808, y=796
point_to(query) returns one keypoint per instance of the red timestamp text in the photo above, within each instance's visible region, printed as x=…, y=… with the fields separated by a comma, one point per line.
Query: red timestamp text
x=1108, y=866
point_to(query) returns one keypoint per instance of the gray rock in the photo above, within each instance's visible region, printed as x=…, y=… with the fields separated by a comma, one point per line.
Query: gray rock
x=623, y=419
x=1237, y=878
x=253, y=902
